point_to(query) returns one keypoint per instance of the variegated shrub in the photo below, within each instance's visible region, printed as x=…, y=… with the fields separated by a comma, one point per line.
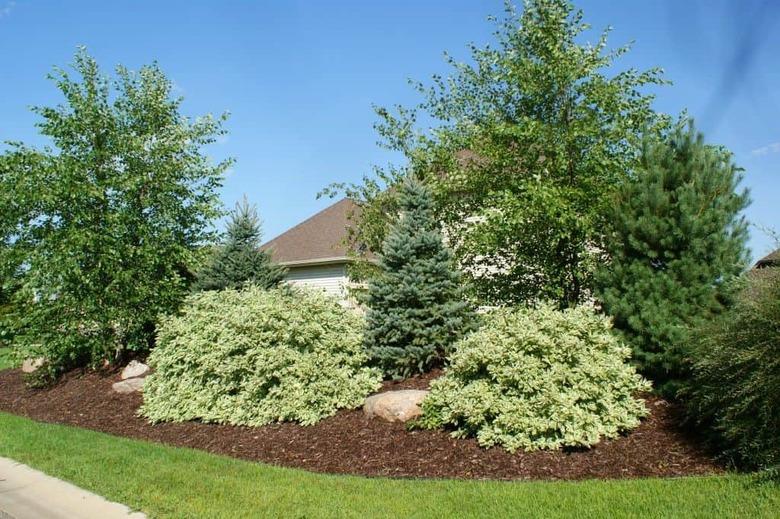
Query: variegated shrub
x=538, y=379
x=253, y=357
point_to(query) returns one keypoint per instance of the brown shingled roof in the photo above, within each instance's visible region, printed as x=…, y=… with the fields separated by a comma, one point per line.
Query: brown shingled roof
x=770, y=260
x=320, y=238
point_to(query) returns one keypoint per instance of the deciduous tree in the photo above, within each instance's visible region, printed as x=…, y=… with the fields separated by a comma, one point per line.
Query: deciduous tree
x=527, y=143
x=108, y=218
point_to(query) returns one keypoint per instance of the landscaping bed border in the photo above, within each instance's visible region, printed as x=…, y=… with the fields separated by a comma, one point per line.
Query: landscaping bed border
x=351, y=443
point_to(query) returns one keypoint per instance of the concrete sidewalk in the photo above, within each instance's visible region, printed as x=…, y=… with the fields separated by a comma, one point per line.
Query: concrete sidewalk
x=26, y=493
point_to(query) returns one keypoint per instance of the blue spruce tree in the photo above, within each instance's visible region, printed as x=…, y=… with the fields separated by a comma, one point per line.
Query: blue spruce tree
x=416, y=310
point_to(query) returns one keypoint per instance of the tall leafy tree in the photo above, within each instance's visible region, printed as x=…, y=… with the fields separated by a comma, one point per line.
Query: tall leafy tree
x=11, y=163
x=416, y=310
x=528, y=142
x=107, y=220
x=239, y=260
x=677, y=243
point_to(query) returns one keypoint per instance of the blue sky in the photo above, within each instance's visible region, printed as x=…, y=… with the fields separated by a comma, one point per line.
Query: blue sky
x=300, y=77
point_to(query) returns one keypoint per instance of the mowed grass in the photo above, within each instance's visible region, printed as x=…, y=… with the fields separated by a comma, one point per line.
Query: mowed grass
x=173, y=482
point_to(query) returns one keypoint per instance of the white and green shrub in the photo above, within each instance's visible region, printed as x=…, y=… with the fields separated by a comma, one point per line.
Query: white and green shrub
x=255, y=356
x=537, y=379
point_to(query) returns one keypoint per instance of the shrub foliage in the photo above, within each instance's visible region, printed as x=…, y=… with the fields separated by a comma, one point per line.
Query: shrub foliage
x=416, y=310
x=538, y=379
x=255, y=356
x=735, y=388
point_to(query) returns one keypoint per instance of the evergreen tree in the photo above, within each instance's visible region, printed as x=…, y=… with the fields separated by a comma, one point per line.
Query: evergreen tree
x=415, y=306
x=677, y=243
x=239, y=260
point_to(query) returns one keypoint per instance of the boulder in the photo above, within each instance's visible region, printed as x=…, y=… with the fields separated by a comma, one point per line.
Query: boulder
x=32, y=365
x=134, y=370
x=395, y=406
x=131, y=385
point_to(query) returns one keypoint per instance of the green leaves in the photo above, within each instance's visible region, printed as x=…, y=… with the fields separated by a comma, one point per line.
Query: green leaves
x=537, y=379
x=256, y=356
x=530, y=139
x=106, y=223
x=734, y=390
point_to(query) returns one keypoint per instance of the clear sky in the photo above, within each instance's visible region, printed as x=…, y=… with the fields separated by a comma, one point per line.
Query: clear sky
x=300, y=77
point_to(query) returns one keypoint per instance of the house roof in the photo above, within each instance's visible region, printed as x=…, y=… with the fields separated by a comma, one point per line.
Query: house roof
x=770, y=260
x=317, y=240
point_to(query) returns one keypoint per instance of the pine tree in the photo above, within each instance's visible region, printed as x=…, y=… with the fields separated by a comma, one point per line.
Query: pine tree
x=416, y=311
x=677, y=244
x=239, y=260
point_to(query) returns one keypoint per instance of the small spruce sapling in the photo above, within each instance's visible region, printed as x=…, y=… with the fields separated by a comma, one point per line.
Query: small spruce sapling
x=239, y=260
x=416, y=310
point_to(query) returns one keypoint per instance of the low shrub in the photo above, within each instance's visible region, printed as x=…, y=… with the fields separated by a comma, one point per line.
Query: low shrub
x=537, y=379
x=254, y=356
x=734, y=392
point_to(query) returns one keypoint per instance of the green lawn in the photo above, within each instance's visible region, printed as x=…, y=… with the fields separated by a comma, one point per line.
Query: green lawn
x=174, y=482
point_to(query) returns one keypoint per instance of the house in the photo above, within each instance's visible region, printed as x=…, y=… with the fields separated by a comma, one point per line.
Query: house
x=315, y=251
x=770, y=260
x=764, y=268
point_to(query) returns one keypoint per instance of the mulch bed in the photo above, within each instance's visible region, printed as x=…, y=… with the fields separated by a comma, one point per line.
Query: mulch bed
x=350, y=443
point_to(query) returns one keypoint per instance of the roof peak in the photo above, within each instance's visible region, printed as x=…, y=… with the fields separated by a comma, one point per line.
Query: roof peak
x=308, y=219
x=321, y=236
x=770, y=260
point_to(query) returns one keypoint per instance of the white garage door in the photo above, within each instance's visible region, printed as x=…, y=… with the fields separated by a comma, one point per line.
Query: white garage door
x=330, y=278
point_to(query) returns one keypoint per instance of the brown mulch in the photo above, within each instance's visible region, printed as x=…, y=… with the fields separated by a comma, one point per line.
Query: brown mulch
x=350, y=443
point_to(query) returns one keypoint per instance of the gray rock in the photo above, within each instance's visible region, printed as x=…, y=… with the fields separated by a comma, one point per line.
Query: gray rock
x=135, y=369
x=130, y=385
x=395, y=406
x=32, y=365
